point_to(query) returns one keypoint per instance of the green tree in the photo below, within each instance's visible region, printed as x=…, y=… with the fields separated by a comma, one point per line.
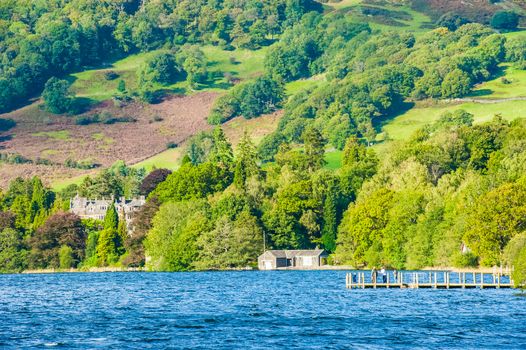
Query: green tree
x=121, y=87
x=13, y=255
x=91, y=248
x=110, y=243
x=360, y=233
x=171, y=244
x=57, y=96
x=496, y=218
x=66, y=259
x=230, y=244
x=161, y=68
x=330, y=223
x=109, y=247
x=123, y=227
x=519, y=272
x=314, y=148
x=111, y=220
x=508, y=20
x=193, y=62
x=246, y=161
x=221, y=151
x=456, y=84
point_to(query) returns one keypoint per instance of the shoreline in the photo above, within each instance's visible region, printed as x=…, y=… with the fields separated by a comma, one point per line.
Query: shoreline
x=505, y=271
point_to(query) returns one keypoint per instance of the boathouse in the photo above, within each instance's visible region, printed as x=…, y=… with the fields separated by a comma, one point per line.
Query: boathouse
x=292, y=259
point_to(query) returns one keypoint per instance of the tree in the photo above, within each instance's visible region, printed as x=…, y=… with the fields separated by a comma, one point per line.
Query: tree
x=122, y=229
x=161, y=68
x=519, y=272
x=111, y=220
x=496, y=218
x=353, y=152
x=153, y=179
x=221, y=151
x=192, y=182
x=59, y=230
x=109, y=247
x=246, y=161
x=56, y=96
x=268, y=147
x=13, y=255
x=142, y=222
x=360, y=233
x=93, y=228
x=330, y=223
x=171, y=243
x=66, y=257
x=230, y=244
x=507, y=20
x=456, y=84
x=121, y=88
x=110, y=244
x=250, y=100
x=452, y=21
x=193, y=62
x=314, y=148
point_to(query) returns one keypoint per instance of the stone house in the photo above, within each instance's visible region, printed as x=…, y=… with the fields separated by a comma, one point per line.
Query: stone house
x=96, y=208
x=292, y=259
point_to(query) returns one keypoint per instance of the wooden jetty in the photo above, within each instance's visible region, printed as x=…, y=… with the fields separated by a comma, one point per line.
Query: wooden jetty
x=428, y=279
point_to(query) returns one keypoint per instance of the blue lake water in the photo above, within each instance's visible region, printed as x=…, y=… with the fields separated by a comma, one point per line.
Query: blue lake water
x=249, y=310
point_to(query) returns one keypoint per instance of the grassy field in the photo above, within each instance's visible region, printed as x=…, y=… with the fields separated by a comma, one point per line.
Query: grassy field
x=511, y=84
x=169, y=159
x=240, y=64
x=333, y=159
x=516, y=34
x=296, y=86
x=398, y=17
x=401, y=127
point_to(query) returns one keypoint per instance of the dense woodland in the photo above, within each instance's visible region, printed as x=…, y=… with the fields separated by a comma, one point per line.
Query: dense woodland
x=452, y=184
x=45, y=39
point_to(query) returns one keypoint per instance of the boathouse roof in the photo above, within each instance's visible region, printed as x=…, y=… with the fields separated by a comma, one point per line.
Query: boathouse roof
x=293, y=253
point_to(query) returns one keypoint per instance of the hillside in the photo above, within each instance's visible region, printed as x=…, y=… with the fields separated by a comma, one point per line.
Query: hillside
x=60, y=149
x=474, y=10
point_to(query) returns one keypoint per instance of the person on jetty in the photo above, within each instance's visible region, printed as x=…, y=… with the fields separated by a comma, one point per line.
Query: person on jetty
x=374, y=274
x=395, y=275
x=384, y=275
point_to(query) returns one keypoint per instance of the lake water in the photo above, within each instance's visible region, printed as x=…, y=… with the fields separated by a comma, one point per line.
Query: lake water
x=249, y=310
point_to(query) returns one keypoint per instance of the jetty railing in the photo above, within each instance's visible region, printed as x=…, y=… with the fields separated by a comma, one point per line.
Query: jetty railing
x=428, y=279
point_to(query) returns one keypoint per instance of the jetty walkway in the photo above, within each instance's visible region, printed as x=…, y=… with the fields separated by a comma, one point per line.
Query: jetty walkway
x=429, y=279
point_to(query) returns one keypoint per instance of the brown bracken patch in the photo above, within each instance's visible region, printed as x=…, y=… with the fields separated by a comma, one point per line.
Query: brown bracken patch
x=39, y=134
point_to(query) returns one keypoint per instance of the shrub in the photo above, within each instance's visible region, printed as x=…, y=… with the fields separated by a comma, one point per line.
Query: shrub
x=507, y=20
x=86, y=119
x=111, y=75
x=170, y=145
x=157, y=119
x=14, y=158
x=465, y=260
x=83, y=164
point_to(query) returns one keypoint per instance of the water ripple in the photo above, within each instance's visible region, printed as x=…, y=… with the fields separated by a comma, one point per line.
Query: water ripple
x=248, y=310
